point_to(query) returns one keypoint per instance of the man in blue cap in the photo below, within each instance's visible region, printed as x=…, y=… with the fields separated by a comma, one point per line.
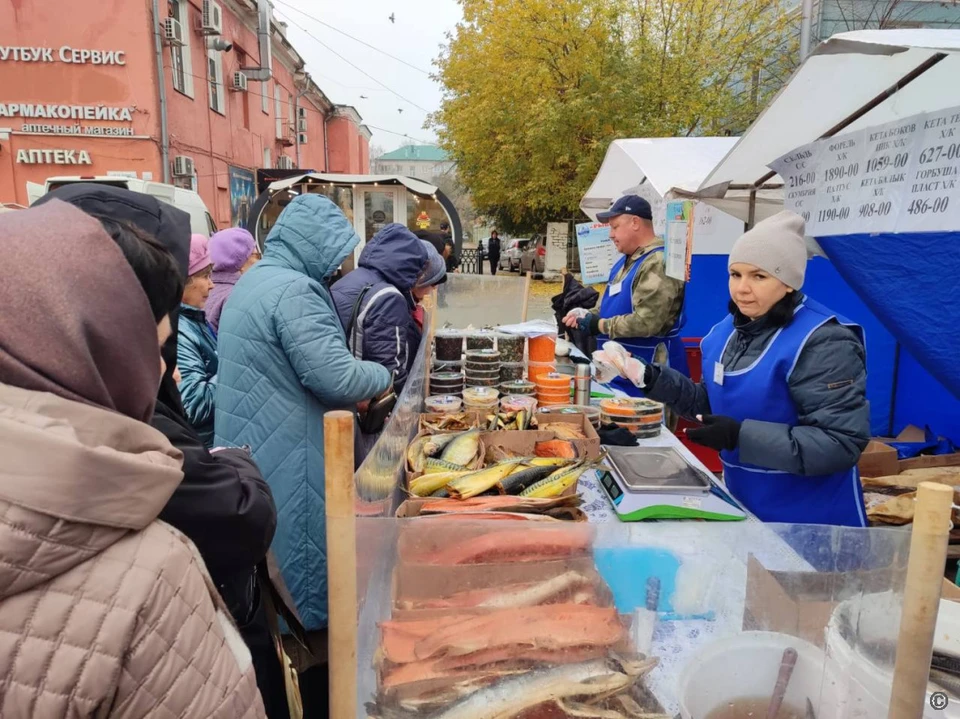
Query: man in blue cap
x=641, y=308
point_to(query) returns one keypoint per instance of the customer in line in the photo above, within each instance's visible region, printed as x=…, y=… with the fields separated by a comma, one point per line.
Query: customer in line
x=284, y=362
x=82, y=482
x=223, y=503
x=197, y=348
x=233, y=252
x=434, y=275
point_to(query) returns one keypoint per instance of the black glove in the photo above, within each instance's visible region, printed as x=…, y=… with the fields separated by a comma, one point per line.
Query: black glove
x=611, y=434
x=718, y=432
x=589, y=324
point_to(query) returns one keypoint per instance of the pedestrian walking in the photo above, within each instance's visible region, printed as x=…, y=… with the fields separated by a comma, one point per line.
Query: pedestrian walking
x=493, y=251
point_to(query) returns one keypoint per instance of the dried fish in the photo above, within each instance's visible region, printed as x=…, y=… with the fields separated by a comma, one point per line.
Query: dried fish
x=474, y=483
x=564, y=430
x=560, y=481
x=500, y=503
x=511, y=696
x=436, y=442
x=522, y=477
x=432, y=464
x=427, y=484
x=462, y=450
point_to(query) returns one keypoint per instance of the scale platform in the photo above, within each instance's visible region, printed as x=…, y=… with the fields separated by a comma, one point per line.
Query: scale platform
x=660, y=483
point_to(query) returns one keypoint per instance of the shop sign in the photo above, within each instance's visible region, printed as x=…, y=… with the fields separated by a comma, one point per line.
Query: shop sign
x=423, y=220
x=53, y=157
x=679, y=239
x=76, y=113
x=597, y=252
x=902, y=176
x=558, y=237
x=65, y=54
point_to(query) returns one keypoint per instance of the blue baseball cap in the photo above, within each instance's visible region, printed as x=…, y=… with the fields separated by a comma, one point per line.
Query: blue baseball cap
x=628, y=205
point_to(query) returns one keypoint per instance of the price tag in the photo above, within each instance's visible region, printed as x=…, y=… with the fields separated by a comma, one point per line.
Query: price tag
x=839, y=170
x=718, y=373
x=932, y=196
x=798, y=169
x=889, y=153
x=615, y=288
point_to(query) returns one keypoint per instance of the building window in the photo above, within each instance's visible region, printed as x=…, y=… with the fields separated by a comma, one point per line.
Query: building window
x=278, y=111
x=267, y=157
x=181, y=66
x=215, y=79
x=413, y=170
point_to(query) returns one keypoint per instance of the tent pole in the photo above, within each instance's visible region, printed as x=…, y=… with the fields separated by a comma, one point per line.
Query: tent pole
x=893, y=390
x=864, y=109
x=752, y=217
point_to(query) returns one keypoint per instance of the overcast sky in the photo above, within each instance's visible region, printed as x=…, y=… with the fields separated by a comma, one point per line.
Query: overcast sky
x=415, y=36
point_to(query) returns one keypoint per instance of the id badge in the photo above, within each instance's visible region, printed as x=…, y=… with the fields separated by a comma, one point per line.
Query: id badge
x=718, y=373
x=615, y=289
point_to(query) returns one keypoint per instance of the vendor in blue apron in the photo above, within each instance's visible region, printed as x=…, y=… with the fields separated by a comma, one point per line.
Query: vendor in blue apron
x=783, y=394
x=641, y=307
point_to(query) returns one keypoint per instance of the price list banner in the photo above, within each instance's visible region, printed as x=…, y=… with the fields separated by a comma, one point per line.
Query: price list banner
x=903, y=176
x=597, y=252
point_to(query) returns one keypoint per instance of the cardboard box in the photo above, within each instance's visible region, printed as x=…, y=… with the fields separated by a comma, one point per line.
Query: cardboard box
x=523, y=441
x=800, y=603
x=878, y=460
x=928, y=461
x=950, y=591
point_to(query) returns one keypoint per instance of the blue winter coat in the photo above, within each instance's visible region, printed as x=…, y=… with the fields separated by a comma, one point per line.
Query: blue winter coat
x=384, y=331
x=283, y=364
x=197, y=362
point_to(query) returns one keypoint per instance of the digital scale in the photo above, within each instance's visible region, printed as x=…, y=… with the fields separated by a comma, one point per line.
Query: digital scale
x=660, y=483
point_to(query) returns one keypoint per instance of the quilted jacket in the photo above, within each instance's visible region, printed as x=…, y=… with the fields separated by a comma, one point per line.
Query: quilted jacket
x=104, y=611
x=284, y=362
x=198, y=363
x=384, y=331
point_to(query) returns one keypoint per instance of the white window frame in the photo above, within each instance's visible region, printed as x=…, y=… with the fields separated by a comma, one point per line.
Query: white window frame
x=278, y=111
x=186, y=61
x=265, y=97
x=267, y=157
x=215, y=82
x=291, y=119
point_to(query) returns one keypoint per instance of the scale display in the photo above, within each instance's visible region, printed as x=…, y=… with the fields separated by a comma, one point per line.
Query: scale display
x=660, y=483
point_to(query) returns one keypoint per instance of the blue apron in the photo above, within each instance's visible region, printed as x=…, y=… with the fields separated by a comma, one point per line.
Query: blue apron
x=642, y=348
x=761, y=392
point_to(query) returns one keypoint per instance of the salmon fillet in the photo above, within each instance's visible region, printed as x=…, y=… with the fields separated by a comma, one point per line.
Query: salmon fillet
x=510, y=545
x=550, y=627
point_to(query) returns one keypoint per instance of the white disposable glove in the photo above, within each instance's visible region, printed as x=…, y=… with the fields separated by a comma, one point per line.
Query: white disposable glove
x=570, y=319
x=630, y=368
x=603, y=369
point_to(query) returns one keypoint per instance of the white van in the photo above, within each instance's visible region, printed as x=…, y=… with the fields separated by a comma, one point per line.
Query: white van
x=187, y=200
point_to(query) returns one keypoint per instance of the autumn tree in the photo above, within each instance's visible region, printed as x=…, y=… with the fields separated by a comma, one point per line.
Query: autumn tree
x=535, y=90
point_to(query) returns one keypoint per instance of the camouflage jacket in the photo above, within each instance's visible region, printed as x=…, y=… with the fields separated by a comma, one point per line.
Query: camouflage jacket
x=657, y=299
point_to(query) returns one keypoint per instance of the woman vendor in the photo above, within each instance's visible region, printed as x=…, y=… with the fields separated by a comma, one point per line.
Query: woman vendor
x=783, y=394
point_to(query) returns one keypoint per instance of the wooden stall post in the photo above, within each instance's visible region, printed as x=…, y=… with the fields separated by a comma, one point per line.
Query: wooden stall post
x=341, y=563
x=430, y=309
x=526, y=295
x=921, y=600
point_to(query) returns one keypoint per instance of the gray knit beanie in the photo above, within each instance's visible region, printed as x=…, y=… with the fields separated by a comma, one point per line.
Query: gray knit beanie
x=775, y=245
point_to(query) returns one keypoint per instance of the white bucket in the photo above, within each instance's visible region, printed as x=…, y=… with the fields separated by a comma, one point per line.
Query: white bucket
x=747, y=665
x=867, y=686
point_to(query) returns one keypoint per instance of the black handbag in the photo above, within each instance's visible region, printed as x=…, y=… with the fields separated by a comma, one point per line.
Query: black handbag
x=379, y=409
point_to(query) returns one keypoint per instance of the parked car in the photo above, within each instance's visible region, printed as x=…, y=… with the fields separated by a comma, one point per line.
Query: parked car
x=533, y=256
x=510, y=257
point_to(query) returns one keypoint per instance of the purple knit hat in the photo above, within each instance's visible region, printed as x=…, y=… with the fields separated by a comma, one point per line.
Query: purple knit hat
x=199, y=254
x=231, y=248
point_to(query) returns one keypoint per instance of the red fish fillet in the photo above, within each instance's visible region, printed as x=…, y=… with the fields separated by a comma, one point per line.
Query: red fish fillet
x=493, y=502
x=511, y=545
x=550, y=627
x=398, y=639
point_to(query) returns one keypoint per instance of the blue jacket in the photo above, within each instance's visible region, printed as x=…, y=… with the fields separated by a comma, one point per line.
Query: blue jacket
x=197, y=361
x=283, y=364
x=384, y=331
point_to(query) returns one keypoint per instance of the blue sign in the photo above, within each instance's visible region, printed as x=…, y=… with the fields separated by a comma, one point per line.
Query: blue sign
x=597, y=252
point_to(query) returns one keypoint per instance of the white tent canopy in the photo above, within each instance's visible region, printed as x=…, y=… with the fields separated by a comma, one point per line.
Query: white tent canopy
x=418, y=186
x=849, y=73
x=662, y=162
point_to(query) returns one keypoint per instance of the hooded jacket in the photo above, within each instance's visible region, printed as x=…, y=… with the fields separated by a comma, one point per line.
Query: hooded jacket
x=223, y=503
x=104, y=611
x=197, y=359
x=384, y=330
x=284, y=363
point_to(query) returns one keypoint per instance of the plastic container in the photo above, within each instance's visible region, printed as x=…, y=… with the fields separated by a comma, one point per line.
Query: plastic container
x=517, y=402
x=631, y=407
x=536, y=369
x=591, y=413
x=444, y=366
x=443, y=403
x=543, y=348
x=448, y=345
x=511, y=347
x=483, y=372
x=520, y=386
x=481, y=340
x=483, y=357
x=480, y=397
x=747, y=664
x=446, y=383
x=510, y=371
x=553, y=380
x=474, y=382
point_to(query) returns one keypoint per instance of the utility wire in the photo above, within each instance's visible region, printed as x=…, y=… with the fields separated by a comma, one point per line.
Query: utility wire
x=360, y=70
x=355, y=39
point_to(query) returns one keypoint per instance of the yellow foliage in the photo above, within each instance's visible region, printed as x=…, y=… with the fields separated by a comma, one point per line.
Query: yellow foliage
x=535, y=90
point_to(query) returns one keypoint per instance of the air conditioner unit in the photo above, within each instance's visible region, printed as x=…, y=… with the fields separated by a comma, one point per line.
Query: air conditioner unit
x=302, y=137
x=239, y=82
x=172, y=32
x=212, y=22
x=284, y=162
x=302, y=124
x=182, y=166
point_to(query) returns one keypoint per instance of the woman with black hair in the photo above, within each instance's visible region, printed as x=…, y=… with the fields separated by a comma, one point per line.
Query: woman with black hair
x=783, y=394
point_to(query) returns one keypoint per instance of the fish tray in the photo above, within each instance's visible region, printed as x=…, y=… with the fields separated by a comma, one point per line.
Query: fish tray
x=476, y=464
